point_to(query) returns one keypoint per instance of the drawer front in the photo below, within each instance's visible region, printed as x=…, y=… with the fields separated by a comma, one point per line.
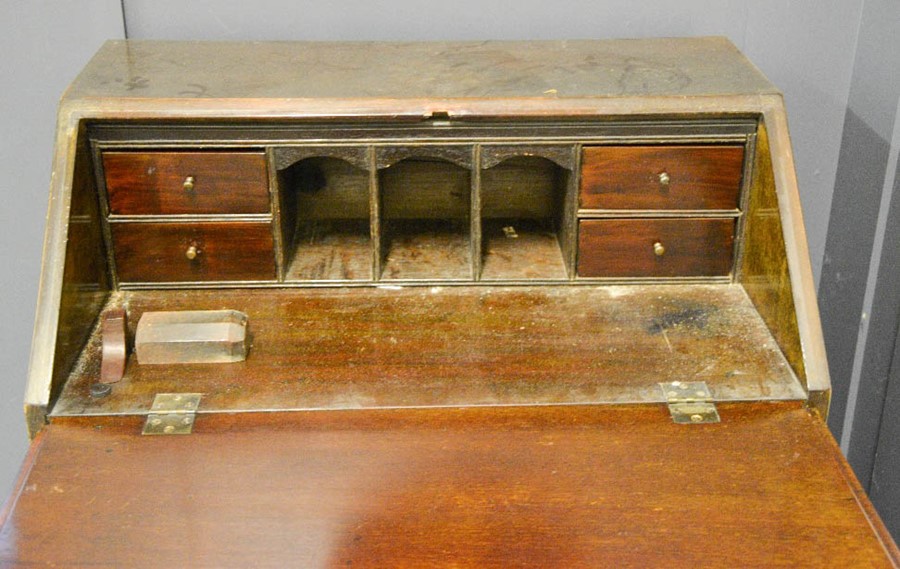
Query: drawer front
x=661, y=177
x=187, y=252
x=655, y=247
x=148, y=183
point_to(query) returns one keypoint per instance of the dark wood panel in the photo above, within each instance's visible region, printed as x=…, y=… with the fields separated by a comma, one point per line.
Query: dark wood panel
x=628, y=177
x=627, y=247
x=146, y=183
x=420, y=188
x=326, y=189
x=346, y=348
x=86, y=286
x=764, y=268
x=526, y=487
x=158, y=252
x=523, y=187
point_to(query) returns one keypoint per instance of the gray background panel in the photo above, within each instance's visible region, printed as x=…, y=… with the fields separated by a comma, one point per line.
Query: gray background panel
x=44, y=45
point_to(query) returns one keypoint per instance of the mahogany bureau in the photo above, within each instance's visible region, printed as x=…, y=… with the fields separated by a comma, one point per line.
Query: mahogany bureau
x=538, y=304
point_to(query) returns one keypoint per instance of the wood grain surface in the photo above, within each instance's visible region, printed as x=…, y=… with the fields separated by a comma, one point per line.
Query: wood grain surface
x=563, y=487
x=451, y=346
x=157, y=252
x=87, y=285
x=625, y=247
x=764, y=268
x=148, y=183
x=331, y=250
x=627, y=177
x=425, y=188
x=521, y=249
x=426, y=249
x=325, y=188
x=523, y=187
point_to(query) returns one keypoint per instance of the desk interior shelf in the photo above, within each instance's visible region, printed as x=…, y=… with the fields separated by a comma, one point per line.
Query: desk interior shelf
x=523, y=219
x=426, y=223
x=326, y=223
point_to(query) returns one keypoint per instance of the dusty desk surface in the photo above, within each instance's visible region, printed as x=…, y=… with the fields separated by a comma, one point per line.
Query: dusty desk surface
x=451, y=346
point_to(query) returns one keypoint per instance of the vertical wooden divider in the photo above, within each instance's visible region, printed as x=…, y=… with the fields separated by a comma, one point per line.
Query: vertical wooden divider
x=275, y=210
x=103, y=203
x=475, y=215
x=744, y=206
x=374, y=214
x=570, y=216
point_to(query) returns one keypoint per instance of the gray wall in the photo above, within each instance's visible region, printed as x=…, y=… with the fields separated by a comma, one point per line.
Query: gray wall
x=44, y=44
x=859, y=292
x=855, y=228
x=807, y=48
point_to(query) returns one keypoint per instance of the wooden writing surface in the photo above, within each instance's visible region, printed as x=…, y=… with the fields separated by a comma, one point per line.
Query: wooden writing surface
x=584, y=486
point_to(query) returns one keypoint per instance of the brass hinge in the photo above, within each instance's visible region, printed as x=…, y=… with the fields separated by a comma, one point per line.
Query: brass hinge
x=690, y=402
x=172, y=414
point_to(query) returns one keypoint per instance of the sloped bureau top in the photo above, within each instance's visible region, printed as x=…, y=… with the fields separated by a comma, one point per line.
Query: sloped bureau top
x=490, y=69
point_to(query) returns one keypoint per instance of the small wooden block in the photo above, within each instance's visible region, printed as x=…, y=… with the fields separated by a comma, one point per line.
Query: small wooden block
x=112, y=366
x=191, y=336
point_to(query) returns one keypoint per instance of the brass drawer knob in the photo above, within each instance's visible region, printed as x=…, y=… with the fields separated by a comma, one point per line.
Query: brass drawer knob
x=192, y=252
x=188, y=184
x=658, y=249
x=664, y=179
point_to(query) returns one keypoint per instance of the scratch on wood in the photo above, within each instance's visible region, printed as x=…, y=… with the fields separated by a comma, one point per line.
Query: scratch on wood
x=665, y=336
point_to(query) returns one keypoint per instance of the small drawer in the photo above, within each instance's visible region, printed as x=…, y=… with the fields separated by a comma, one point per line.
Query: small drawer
x=661, y=177
x=655, y=247
x=162, y=183
x=193, y=252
